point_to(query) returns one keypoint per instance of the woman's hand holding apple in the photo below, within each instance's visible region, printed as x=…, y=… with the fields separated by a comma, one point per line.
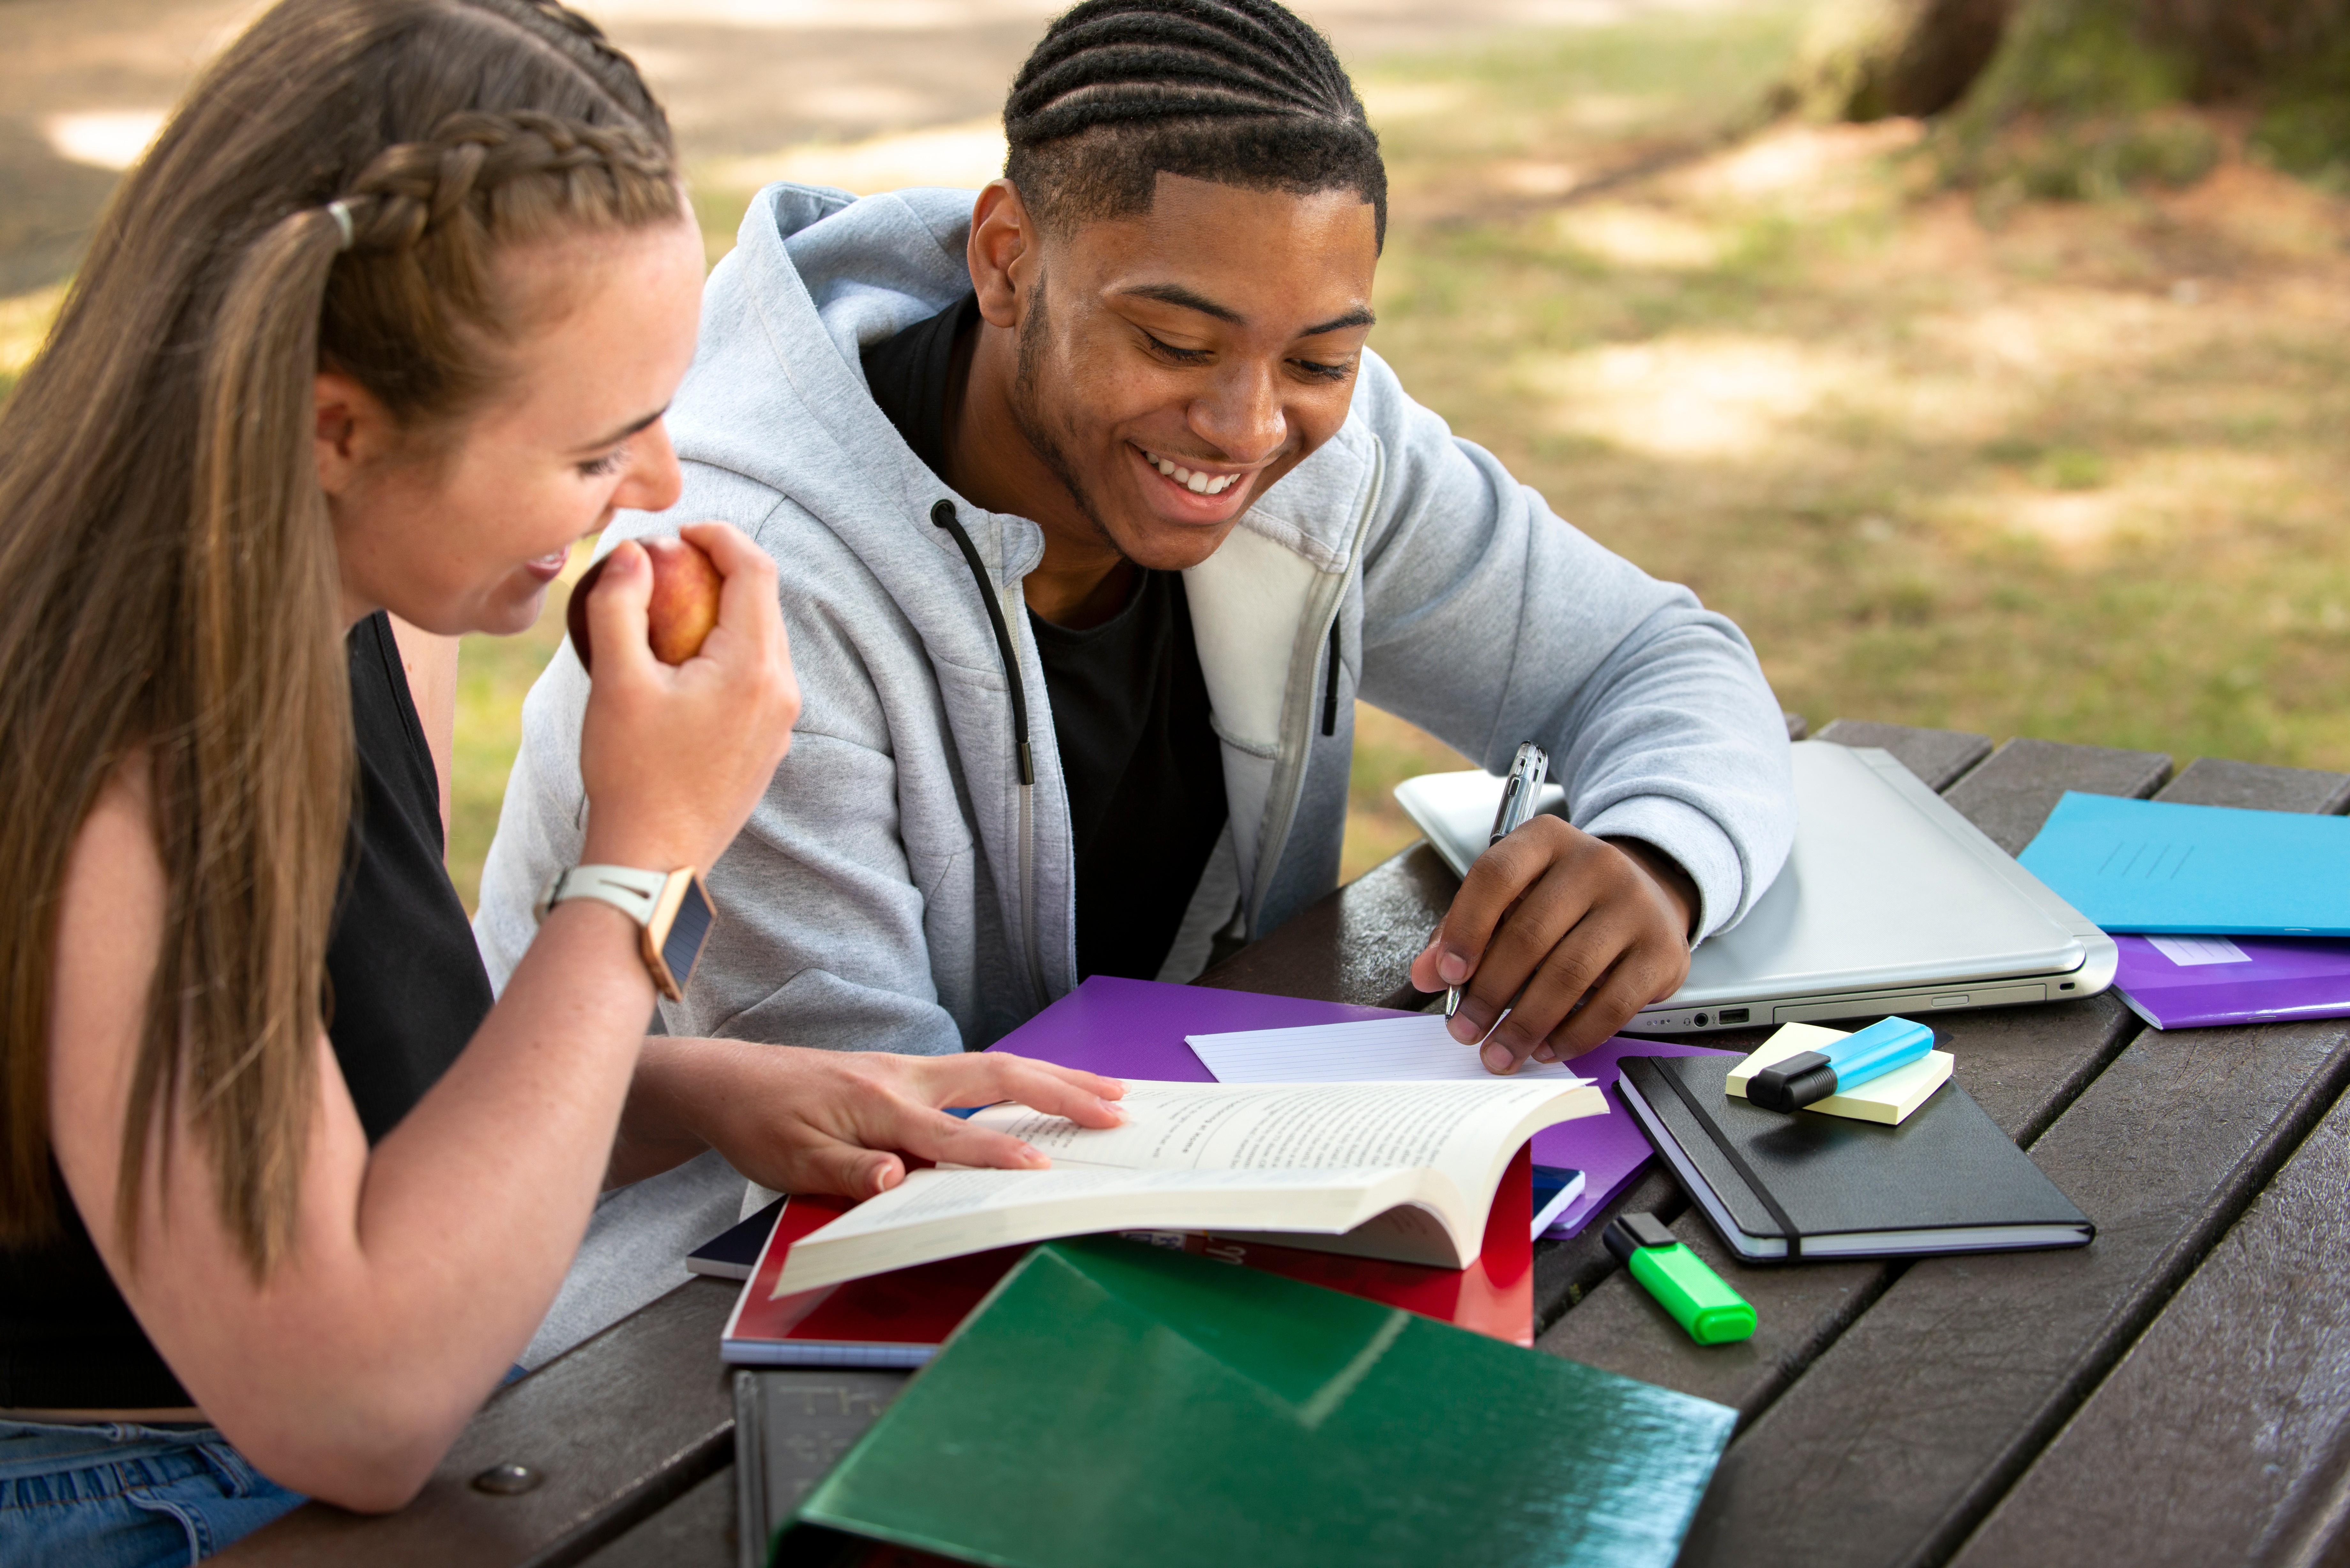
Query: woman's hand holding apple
x=674, y=756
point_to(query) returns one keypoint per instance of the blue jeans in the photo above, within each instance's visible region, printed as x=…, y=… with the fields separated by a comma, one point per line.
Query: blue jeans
x=123, y=1496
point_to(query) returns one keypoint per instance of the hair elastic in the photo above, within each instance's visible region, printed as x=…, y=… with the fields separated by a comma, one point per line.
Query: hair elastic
x=341, y=211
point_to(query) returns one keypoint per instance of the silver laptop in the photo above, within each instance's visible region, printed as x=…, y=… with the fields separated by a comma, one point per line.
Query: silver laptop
x=1890, y=902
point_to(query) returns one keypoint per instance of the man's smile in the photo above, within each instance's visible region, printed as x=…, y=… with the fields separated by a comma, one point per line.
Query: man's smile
x=1189, y=496
x=1198, y=480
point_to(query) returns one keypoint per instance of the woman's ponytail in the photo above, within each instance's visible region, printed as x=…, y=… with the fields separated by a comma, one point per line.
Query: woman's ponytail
x=253, y=794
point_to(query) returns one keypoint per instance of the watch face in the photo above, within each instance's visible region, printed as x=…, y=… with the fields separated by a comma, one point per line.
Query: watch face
x=683, y=943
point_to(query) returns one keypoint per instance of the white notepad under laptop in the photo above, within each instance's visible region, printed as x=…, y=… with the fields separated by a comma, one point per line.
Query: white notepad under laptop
x=1891, y=902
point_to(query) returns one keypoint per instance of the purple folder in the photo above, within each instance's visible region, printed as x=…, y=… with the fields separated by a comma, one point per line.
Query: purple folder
x=2275, y=979
x=1609, y=1150
x=1135, y=1029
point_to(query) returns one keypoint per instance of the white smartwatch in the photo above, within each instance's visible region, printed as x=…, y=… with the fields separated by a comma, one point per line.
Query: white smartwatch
x=672, y=910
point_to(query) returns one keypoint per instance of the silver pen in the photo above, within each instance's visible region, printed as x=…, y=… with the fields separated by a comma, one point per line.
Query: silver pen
x=1528, y=771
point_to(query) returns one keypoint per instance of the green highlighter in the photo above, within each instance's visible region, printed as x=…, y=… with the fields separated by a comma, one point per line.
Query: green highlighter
x=1708, y=1310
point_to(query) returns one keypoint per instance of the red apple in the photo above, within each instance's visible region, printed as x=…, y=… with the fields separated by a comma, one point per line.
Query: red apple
x=683, y=608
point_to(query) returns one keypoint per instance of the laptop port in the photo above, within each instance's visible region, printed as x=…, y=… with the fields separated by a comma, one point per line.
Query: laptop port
x=1698, y=1021
x=1733, y=1015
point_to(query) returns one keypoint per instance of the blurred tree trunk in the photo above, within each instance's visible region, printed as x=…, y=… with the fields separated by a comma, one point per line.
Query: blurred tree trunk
x=1867, y=59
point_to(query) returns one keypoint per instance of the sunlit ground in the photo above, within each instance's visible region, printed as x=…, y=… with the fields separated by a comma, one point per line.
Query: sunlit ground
x=2077, y=475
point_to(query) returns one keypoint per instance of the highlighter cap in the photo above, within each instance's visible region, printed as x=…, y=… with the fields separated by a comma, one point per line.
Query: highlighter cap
x=1802, y=1079
x=1722, y=1324
x=1627, y=1233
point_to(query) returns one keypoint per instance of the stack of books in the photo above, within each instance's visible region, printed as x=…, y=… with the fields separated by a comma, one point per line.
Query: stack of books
x=1260, y=1323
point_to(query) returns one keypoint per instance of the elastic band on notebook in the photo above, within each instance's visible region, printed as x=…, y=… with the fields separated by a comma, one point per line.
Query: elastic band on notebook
x=1794, y=1238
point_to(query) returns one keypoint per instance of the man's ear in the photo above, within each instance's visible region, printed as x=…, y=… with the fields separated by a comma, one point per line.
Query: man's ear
x=1002, y=253
x=353, y=429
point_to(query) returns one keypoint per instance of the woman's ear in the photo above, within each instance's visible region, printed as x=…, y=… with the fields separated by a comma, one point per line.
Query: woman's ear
x=1001, y=237
x=354, y=430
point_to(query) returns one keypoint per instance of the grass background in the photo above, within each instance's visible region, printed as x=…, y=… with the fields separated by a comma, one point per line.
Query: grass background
x=2072, y=469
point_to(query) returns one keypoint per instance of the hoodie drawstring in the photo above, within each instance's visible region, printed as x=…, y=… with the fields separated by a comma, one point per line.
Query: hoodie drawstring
x=944, y=517
x=1330, y=686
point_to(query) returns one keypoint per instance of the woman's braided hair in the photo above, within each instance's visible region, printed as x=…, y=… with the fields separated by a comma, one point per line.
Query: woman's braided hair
x=427, y=219
x=334, y=193
x=1242, y=92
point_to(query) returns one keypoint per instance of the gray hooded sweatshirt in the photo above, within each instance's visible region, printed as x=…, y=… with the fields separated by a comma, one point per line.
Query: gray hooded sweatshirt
x=899, y=887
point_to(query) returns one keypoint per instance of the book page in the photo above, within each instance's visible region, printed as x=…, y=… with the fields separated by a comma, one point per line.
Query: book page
x=1452, y=1128
x=957, y=1193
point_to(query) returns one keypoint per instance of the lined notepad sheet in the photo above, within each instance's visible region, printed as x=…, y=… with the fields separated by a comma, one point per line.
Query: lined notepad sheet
x=1377, y=1050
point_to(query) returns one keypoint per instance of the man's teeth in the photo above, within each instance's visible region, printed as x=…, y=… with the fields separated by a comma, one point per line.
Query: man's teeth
x=1197, y=483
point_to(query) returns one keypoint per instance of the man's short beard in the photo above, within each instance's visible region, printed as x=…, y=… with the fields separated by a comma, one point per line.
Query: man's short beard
x=1028, y=414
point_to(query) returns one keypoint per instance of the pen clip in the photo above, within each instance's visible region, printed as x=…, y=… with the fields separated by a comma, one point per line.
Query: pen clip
x=1502, y=814
x=1520, y=792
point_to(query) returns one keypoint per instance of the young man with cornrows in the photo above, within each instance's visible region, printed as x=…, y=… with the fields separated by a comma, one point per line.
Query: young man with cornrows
x=1094, y=515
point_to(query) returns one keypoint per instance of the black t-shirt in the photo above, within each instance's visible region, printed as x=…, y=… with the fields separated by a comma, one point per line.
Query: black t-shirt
x=1145, y=773
x=406, y=993
x=1146, y=778
x=406, y=986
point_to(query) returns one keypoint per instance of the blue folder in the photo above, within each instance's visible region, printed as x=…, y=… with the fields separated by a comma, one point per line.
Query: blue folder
x=2150, y=866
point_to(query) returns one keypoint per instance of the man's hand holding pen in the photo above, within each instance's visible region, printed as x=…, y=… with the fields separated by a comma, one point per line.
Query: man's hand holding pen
x=1583, y=933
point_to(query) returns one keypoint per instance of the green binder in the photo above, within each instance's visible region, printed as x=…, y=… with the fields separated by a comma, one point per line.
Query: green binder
x=1113, y=1402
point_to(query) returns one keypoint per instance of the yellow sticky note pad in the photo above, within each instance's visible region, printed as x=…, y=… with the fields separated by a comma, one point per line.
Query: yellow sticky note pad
x=1889, y=1099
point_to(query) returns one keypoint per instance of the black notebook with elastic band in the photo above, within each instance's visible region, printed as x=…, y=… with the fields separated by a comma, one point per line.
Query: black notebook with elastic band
x=1782, y=1187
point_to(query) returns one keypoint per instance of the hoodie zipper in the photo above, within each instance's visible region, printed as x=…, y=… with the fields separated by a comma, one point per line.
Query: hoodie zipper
x=943, y=516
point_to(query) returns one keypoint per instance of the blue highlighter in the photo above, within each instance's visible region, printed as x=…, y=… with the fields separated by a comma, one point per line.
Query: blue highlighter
x=1810, y=1076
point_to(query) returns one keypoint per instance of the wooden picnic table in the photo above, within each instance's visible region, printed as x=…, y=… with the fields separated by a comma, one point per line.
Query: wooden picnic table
x=2178, y=1391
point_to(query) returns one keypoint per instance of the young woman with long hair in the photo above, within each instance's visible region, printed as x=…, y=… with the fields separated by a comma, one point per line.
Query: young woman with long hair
x=383, y=324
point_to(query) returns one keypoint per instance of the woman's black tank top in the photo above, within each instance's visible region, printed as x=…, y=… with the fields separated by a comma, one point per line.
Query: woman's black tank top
x=407, y=991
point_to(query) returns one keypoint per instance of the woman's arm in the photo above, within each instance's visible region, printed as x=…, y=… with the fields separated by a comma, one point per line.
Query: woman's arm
x=419, y=1269
x=417, y=1273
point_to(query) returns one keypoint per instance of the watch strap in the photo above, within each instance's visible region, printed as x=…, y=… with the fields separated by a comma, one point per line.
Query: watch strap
x=634, y=892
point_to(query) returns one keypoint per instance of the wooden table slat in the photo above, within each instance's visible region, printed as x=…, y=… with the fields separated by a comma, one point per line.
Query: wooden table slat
x=2012, y=793
x=1352, y=944
x=619, y=1426
x=2216, y=781
x=1939, y=757
x=2232, y=1413
x=697, y=1530
x=1619, y=1327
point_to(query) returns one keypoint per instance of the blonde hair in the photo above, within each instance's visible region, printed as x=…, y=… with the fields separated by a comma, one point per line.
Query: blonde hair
x=168, y=576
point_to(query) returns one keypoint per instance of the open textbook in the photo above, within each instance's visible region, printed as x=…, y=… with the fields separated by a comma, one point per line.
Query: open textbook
x=1400, y=1171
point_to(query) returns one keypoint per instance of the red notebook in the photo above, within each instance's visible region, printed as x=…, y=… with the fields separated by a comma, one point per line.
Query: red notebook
x=899, y=1319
